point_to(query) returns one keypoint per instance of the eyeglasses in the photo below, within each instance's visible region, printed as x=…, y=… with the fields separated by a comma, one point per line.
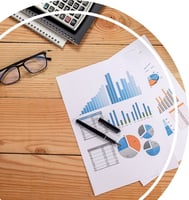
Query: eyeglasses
x=33, y=64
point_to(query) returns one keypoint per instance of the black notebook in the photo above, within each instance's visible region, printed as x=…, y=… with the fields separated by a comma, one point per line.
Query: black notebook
x=55, y=31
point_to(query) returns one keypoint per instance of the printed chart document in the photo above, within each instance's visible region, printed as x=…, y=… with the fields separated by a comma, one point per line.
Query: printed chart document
x=129, y=90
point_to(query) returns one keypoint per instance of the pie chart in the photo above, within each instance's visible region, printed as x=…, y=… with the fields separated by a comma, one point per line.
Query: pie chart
x=146, y=131
x=152, y=148
x=153, y=79
x=129, y=146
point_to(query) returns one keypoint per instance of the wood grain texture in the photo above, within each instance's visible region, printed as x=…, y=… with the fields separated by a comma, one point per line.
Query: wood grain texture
x=39, y=156
x=36, y=126
x=58, y=177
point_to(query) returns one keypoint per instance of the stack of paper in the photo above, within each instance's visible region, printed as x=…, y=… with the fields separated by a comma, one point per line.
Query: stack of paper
x=134, y=91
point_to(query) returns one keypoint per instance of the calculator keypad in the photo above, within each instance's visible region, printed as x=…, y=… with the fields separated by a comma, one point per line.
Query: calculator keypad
x=72, y=20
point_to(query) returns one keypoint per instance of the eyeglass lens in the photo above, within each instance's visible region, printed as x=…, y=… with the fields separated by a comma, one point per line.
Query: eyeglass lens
x=10, y=76
x=36, y=64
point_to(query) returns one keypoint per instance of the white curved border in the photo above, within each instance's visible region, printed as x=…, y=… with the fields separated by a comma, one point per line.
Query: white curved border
x=146, y=44
x=174, y=38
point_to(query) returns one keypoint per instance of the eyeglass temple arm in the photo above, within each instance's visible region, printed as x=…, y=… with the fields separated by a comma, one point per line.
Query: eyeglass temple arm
x=48, y=58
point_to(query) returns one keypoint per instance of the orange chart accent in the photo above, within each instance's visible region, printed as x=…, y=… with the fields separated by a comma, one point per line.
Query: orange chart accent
x=181, y=104
x=153, y=79
x=133, y=142
x=152, y=82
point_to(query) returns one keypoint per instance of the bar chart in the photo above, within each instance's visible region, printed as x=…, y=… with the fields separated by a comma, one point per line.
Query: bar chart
x=138, y=111
x=113, y=92
x=165, y=101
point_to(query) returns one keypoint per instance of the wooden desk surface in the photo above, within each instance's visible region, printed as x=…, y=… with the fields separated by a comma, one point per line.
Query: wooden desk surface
x=39, y=156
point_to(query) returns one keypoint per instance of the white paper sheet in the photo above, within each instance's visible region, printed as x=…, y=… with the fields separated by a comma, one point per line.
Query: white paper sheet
x=123, y=90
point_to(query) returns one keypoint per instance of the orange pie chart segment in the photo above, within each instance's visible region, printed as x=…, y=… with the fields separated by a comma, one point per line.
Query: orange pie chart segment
x=133, y=142
x=129, y=146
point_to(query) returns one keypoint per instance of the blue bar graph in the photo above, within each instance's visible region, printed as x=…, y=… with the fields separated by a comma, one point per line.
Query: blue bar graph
x=137, y=112
x=168, y=127
x=125, y=89
x=99, y=101
x=113, y=92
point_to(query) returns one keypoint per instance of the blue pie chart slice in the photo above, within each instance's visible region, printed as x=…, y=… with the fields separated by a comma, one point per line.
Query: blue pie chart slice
x=153, y=79
x=146, y=131
x=152, y=148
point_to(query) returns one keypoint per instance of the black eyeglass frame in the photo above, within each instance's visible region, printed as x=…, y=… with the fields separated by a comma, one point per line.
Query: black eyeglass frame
x=20, y=63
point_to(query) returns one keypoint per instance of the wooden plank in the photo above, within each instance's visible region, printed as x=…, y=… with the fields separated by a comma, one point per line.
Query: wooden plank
x=101, y=32
x=58, y=177
x=44, y=85
x=36, y=126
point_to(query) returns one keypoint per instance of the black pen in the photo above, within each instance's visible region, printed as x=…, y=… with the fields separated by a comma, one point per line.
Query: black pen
x=109, y=125
x=94, y=130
